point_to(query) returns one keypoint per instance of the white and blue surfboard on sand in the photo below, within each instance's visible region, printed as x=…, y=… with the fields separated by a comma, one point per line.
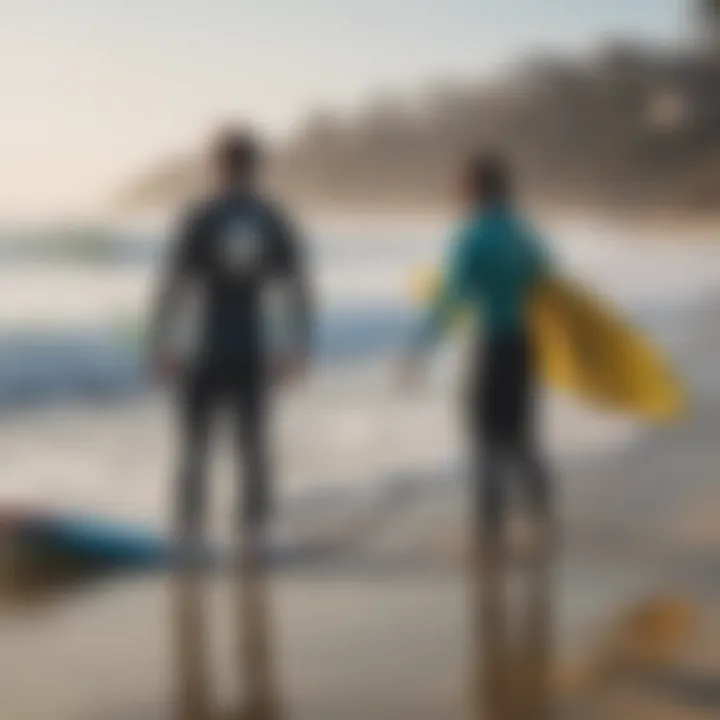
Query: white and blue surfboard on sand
x=97, y=542
x=108, y=545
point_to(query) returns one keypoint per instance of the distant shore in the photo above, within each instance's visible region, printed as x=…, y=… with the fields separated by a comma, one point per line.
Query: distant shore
x=646, y=223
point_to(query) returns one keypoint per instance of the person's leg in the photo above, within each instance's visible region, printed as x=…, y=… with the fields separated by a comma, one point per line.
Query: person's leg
x=249, y=408
x=535, y=481
x=493, y=495
x=195, y=413
x=489, y=454
x=532, y=471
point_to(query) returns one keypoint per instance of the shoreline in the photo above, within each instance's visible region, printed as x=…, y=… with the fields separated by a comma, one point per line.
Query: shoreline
x=645, y=223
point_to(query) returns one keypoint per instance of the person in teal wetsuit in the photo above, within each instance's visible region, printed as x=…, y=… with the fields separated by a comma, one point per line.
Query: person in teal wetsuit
x=495, y=262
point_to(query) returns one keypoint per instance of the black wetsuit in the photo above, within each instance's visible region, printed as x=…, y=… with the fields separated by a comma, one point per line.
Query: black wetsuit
x=232, y=247
x=502, y=426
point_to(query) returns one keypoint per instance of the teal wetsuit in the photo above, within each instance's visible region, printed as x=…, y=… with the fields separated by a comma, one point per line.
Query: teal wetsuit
x=495, y=262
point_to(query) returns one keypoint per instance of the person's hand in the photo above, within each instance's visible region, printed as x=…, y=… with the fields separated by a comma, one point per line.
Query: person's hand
x=410, y=372
x=166, y=368
x=290, y=369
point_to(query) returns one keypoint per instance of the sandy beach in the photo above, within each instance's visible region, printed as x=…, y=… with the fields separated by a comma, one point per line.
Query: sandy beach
x=622, y=623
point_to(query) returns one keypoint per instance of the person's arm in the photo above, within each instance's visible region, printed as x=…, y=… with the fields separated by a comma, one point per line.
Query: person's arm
x=291, y=271
x=542, y=263
x=176, y=277
x=454, y=288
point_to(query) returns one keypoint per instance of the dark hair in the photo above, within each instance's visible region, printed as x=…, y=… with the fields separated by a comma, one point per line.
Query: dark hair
x=488, y=179
x=236, y=153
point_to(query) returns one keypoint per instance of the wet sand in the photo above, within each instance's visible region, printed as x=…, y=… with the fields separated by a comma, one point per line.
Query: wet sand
x=388, y=616
x=624, y=622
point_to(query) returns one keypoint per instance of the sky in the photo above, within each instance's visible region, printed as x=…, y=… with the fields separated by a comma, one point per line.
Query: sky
x=96, y=91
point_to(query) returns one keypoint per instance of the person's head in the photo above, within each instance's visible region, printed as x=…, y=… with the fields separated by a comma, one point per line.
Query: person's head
x=236, y=155
x=486, y=181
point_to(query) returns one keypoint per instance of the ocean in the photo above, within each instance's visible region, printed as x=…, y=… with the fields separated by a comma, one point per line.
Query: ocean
x=83, y=429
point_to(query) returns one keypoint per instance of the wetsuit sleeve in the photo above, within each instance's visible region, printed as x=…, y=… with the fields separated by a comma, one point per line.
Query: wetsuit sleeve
x=186, y=244
x=290, y=267
x=181, y=265
x=454, y=289
x=540, y=260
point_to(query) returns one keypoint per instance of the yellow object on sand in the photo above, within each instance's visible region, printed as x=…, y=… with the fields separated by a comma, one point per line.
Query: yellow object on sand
x=586, y=349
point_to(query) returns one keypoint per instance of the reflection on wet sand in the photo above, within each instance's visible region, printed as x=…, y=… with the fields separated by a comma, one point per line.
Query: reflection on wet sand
x=191, y=650
x=510, y=635
x=255, y=644
x=251, y=623
x=511, y=641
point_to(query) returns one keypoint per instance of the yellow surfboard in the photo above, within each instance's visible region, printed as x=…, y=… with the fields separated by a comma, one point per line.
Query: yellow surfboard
x=586, y=349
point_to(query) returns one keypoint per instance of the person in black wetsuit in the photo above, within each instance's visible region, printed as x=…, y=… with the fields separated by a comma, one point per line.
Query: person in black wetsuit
x=229, y=250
